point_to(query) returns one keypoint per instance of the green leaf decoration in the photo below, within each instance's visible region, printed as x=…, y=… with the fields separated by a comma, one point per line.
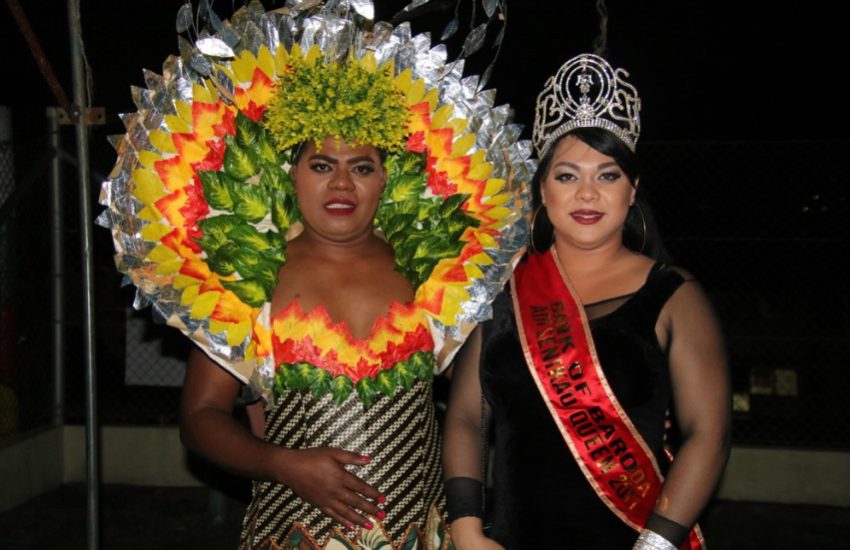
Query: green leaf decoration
x=284, y=209
x=266, y=274
x=250, y=291
x=304, y=376
x=296, y=376
x=247, y=131
x=267, y=152
x=222, y=261
x=387, y=382
x=216, y=190
x=211, y=242
x=421, y=269
x=455, y=227
x=247, y=262
x=412, y=162
x=275, y=177
x=422, y=364
x=452, y=203
x=239, y=162
x=321, y=382
x=341, y=388
x=219, y=226
x=367, y=389
x=407, y=187
x=275, y=240
x=398, y=224
x=276, y=255
x=406, y=375
x=246, y=235
x=251, y=202
x=279, y=386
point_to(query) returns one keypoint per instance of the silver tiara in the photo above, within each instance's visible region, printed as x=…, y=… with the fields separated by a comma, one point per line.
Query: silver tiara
x=586, y=92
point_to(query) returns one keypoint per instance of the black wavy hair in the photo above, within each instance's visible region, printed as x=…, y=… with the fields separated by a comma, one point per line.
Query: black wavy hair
x=640, y=232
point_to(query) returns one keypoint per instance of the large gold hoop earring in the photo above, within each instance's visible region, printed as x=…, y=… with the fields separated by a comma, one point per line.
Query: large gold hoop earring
x=643, y=226
x=533, y=220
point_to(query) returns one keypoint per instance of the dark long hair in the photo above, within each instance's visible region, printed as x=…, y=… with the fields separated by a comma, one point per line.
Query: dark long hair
x=640, y=232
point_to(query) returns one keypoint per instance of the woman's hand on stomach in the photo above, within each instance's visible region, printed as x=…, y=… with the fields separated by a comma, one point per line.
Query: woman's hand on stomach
x=319, y=477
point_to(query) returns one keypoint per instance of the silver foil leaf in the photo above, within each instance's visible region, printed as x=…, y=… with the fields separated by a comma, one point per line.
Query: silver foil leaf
x=224, y=83
x=305, y=5
x=450, y=29
x=211, y=16
x=184, y=17
x=413, y=5
x=490, y=7
x=475, y=39
x=364, y=8
x=104, y=219
x=485, y=78
x=115, y=140
x=229, y=35
x=214, y=47
x=141, y=300
x=186, y=49
x=499, y=37
x=200, y=64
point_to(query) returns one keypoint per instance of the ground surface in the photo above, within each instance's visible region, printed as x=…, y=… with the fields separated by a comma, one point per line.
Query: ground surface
x=135, y=518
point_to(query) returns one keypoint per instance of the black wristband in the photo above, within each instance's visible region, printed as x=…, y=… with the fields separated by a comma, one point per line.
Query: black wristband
x=464, y=497
x=667, y=528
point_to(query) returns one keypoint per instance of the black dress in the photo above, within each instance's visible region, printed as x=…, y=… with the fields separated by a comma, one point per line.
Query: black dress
x=541, y=499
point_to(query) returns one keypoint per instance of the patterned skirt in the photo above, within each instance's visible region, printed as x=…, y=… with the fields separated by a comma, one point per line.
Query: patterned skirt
x=399, y=433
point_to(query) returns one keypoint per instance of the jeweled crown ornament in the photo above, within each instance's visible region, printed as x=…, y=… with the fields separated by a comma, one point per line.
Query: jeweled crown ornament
x=586, y=92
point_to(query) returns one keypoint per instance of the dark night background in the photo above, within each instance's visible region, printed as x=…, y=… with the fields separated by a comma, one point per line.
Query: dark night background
x=706, y=70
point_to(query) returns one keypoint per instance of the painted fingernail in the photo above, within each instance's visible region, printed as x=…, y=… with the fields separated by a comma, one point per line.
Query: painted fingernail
x=365, y=458
x=381, y=515
x=382, y=499
x=368, y=525
x=349, y=527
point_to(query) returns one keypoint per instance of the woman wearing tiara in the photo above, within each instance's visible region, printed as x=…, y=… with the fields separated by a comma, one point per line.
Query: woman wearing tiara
x=593, y=348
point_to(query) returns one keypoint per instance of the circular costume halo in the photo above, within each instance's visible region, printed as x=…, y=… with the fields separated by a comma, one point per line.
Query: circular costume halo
x=200, y=200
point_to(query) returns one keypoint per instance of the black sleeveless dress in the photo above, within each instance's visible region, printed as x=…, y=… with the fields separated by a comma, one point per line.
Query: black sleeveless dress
x=541, y=499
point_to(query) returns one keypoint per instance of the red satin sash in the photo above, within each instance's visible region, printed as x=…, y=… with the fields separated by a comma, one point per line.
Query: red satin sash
x=562, y=359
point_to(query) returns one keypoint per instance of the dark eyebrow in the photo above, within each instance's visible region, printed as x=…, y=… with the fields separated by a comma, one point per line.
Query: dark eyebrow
x=332, y=160
x=319, y=156
x=364, y=158
x=599, y=167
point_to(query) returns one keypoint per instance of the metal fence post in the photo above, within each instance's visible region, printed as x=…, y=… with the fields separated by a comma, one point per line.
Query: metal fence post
x=80, y=104
x=57, y=271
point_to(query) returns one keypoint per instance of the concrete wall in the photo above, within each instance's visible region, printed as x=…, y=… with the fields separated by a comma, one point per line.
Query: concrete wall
x=131, y=455
x=30, y=465
x=37, y=463
x=787, y=476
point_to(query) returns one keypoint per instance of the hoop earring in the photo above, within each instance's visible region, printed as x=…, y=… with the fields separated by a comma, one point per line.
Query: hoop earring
x=533, y=220
x=643, y=225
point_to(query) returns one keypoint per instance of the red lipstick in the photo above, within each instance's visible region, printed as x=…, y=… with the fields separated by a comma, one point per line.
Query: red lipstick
x=340, y=207
x=586, y=217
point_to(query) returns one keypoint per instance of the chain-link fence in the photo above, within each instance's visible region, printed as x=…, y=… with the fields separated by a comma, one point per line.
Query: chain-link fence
x=25, y=380
x=761, y=225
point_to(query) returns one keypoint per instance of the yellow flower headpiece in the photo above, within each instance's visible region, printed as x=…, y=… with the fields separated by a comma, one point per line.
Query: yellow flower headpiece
x=314, y=100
